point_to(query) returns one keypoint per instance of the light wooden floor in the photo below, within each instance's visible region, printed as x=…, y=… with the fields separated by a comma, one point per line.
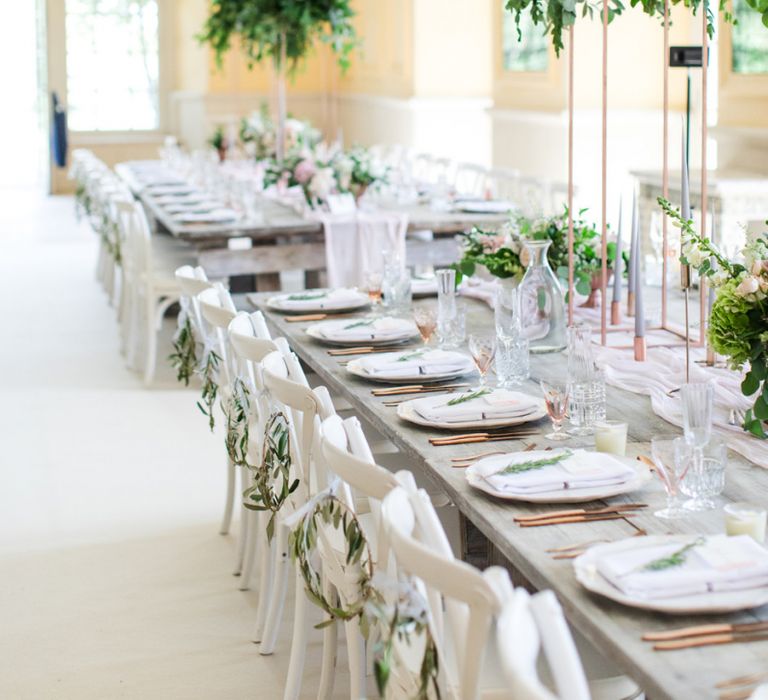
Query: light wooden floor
x=113, y=581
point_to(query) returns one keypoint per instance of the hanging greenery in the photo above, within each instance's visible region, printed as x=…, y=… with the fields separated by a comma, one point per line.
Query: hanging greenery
x=557, y=15
x=208, y=372
x=266, y=494
x=261, y=27
x=238, y=415
x=401, y=623
x=184, y=356
x=330, y=512
x=655, y=8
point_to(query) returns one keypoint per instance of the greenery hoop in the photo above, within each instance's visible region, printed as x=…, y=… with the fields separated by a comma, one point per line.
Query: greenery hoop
x=266, y=494
x=238, y=415
x=406, y=618
x=210, y=391
x=184, y=356
x=330, y=511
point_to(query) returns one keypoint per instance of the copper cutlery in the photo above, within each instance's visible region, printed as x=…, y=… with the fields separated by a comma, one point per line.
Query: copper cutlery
x=567, y=520
x=416, y=389
x=468, y=438
x=580, y=511
x=362, y=350
x=705, y=630
x=710, y=640
x=744, y=694
x=751, y=679
x=399, y=401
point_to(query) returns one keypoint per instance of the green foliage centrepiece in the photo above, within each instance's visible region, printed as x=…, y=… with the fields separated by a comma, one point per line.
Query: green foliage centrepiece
x=269, y=29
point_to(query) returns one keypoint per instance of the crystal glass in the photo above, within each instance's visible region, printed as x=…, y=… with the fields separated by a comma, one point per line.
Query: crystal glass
x=671, y=466
x=581, y=363
x=447, y=309
x=426, y=321
x=556, y=399
x=698, y=399
x=507, y=311
x=512, y=361
x=541, y=302
x=703, y=486
x=396, y=286
x=587, y=397
x=482, y=347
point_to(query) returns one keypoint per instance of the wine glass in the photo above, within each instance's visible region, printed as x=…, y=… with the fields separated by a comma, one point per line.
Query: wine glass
x=373, y=283
x=426, y=322
x=483, y=350
x=671, y=462
x=556, y=399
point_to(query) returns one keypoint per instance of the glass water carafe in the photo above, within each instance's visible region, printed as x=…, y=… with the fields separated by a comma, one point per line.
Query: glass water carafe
x=542, y=304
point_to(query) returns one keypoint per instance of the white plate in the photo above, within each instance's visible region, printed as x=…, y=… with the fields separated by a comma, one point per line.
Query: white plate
x=426, y=287
x=359, y=302
x=355, y=367
x=407, y=412
x=482, y=206
x=316, y=331
x=720, y=602
x=565, y=495
x=211, y=217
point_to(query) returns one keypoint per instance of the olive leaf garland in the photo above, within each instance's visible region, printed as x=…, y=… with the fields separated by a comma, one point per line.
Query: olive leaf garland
x=208, y=372
x=184, y=356
x=272, y=478
x=400, y=622
x=331, y=512
x=238, y=415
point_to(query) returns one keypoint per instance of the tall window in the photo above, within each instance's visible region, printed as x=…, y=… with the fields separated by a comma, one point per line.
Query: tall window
x=531, y=53
x=749, y=40
x=112, y=64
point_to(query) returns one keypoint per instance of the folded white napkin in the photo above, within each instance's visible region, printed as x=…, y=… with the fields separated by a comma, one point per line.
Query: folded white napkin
x=716, y=563
x=191, y=198
x=171, y=189
x=577, y=469
x=211, y=216
x=497, y=404
x=198, y=207
x=367, y=330
x=319, y=299
x=421, y=362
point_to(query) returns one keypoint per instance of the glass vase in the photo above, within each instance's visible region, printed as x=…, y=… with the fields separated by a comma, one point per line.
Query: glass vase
x=542, y=303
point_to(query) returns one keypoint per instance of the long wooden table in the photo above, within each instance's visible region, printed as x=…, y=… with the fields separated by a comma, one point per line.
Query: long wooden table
x=283, y=239
x=614, y=629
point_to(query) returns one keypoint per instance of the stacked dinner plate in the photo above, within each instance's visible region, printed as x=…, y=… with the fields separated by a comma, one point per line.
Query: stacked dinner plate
x=320, y=300
x=423, y=365
x=371, y=331
x=556, y=476
x=679, y=573
x=480, y=408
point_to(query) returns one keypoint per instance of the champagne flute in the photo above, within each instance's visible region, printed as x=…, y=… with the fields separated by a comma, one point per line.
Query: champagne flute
x=483, y=350
x=556, y=399
x=672, y=460
x=426, y=322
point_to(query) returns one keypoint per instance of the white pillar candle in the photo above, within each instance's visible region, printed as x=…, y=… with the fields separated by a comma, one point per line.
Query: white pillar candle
x=745, y=519
x=611, y=436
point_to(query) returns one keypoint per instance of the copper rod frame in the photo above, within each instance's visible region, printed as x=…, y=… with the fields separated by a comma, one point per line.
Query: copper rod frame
x=571, y=290
x=665, y=172
x=604, y=252
x=704, y=134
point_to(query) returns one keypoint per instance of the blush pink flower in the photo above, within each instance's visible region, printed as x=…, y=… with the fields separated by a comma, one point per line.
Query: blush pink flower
x=304, y=171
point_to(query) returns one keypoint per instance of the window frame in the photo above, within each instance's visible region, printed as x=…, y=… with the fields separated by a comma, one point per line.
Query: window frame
x=529, y=90
x=57, y=74
x=741, y=94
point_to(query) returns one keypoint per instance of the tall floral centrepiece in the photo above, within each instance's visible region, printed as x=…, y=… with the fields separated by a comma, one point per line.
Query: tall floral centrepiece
x=738, y=322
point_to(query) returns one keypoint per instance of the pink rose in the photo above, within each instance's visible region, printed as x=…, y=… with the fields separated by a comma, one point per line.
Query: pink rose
x=304, y=171
x=749, y=285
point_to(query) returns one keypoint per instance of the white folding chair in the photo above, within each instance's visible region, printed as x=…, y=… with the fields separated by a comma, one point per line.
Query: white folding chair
x=463, y=603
